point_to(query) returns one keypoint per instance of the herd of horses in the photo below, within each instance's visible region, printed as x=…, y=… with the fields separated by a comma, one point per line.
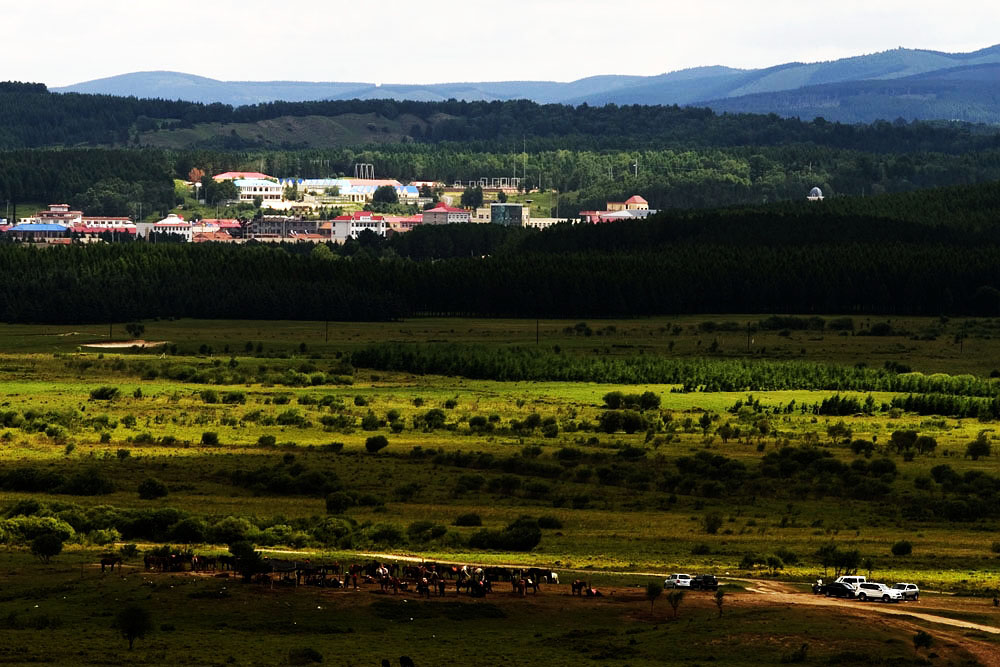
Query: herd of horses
x=425, y=579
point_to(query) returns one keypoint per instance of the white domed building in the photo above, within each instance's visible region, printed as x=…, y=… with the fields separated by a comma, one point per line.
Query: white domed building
x=815, y=195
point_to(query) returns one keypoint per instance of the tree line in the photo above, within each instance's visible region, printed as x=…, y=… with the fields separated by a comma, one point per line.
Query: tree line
x=31, y=117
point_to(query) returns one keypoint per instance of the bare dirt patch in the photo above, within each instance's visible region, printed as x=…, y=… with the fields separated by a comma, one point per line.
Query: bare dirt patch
x=126, y=344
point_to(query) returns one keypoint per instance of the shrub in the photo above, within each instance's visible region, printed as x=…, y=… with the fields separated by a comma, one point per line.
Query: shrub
x=188, y=531
x=209, y=396
x=386, y=534
x=339, y=502
x=549, y=523
x=470, y=519
x=450, y=404
x=46, y=546
x=521, y=535
x=360, y=401
x=370, y=422
x=210, y=438
x=266, y=441
x=376, y=443
x=152, y=488
x=712, y=522
x=104, y=393
x=902, y=548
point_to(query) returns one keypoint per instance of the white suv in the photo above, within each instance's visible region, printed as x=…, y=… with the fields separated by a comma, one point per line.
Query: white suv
x=909, y=591
x=872, y=591
x=853, y=581
x=678, y=581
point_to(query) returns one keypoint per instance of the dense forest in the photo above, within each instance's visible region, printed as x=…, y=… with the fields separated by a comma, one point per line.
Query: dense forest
x=935, y=254
x=31, y=117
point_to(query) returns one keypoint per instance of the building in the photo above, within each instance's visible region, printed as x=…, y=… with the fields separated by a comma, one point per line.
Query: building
x=509, y=215
x=815, y=195
x=172, y=224
x=635, y=208
x=251, y=188
x=350, y=226
x=282, y=226
x=212, y=237
x=398, y=224
x=635, y=203
x=242, y=175
x=446, y=215
x=544, y=223
x=36, y=232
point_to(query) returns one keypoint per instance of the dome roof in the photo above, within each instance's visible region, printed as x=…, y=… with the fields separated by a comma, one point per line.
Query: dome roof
x=815, y=192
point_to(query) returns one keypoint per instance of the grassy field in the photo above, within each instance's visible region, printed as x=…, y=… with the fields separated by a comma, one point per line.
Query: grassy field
x=607, y=516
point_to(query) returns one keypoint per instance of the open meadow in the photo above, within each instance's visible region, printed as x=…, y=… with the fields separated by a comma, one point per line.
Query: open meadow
x=772, y=450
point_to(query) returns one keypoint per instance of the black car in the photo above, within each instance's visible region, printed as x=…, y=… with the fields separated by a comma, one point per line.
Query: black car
x=836, y=590
x=705, y=582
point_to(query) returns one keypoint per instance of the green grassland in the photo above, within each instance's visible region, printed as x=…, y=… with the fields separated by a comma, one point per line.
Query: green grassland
x=614, y=531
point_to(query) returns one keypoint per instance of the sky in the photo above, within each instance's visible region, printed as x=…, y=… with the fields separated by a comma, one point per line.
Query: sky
x=60, y=42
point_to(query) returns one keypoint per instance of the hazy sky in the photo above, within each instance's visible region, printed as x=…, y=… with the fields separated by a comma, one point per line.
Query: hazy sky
x=59, y=42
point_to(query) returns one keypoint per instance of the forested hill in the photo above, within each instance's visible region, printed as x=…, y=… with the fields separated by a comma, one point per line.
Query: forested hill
x=31, y=117
x=777, y=259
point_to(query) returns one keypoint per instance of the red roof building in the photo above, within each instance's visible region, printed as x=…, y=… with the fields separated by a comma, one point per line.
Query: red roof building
x=446, y=215
x=242, y=175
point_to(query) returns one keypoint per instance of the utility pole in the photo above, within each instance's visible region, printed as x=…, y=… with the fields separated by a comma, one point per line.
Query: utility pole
x=536, y=331
x=748, y=338
x=326, y=337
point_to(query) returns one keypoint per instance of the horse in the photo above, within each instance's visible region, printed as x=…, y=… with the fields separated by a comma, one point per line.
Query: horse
x=578, y=587
x=112, y=561
x=519, y=587
x=532, y=584
x=424, y=587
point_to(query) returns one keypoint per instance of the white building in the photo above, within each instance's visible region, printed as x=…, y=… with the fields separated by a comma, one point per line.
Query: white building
x=172, y=224
x=251, y=188
x=350, y=226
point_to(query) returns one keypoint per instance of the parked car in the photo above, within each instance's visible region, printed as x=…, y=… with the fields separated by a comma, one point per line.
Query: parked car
x=678, y=581
x=705, y=582
x=851, y=580
x=835, y=590
x=871, y=591
x=909, y=591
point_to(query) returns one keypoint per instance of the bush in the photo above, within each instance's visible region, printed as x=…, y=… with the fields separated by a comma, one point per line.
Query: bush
x=549, y=523
x=209, y=396
x=152, y=488
x=360, y=401
x=470, y=519
x=339, y=502
x=104, y=394
x=902, y=548
x=386, y=534
x=712, y=522
x=376, y=443
x=210, y=438
x=46, y=546
x=522, y=535
x=266, y=441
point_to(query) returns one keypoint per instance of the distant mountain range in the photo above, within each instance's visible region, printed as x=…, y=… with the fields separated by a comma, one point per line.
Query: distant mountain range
x=907, y=83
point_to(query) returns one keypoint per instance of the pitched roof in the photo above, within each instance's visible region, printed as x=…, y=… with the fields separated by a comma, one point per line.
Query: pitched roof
x=444, y=208
x=636, y=199
x=233, y=175
x=36, y=227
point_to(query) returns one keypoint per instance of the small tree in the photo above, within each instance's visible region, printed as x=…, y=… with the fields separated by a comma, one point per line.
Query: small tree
x=674, y=599
x=152, y=488
x=135, y=329
x=653, y=590
x=46, y=546
x=978, y=447
x=720, y=597
x=133, y=622
x=472, y=197
x=869, y=565
x=902, y=548
x=712, y=522
x=376, y=443
x=385, y=194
